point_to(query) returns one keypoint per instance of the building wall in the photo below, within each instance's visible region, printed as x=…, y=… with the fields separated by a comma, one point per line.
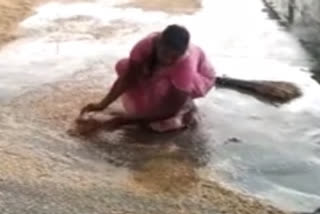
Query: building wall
x=303, y=20
x=302, y=15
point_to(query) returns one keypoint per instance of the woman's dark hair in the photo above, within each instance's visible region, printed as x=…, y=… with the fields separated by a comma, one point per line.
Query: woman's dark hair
x=176, y=37
x=173, y=36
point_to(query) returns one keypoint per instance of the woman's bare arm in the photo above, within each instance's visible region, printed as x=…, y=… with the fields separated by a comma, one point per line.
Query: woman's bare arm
x=173, y=103
x=123, y=83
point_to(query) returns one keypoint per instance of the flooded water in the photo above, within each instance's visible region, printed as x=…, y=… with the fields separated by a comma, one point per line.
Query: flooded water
x=242, y=149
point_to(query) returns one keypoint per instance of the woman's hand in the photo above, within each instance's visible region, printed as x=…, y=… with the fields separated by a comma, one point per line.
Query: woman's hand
x=91, y=107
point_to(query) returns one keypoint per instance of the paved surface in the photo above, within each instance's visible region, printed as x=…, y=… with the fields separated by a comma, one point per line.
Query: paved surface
x=65, y=59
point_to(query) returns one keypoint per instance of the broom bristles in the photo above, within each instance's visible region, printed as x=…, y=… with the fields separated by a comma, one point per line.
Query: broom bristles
x=275, y=92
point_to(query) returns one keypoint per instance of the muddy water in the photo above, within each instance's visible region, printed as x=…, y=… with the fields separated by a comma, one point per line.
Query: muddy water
x=65, y=59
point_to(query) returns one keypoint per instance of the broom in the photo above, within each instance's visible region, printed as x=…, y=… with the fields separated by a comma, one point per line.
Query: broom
x=272, y=92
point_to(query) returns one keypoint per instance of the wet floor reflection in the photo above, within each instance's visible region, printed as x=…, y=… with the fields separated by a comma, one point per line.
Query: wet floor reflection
x=133, y=145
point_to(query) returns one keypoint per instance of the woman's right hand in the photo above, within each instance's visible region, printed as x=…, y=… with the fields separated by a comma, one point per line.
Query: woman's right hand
x=91, y=107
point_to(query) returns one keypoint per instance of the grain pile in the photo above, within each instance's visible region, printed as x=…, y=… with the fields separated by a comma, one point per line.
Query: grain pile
x=11, y=13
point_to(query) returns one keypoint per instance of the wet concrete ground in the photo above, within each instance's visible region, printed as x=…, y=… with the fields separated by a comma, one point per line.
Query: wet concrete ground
x=65, y=59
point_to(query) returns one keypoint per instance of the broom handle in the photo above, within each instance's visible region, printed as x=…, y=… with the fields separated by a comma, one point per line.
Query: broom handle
x=232, y=83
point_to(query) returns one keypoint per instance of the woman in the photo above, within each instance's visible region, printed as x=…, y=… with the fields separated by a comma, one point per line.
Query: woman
x=158, y=83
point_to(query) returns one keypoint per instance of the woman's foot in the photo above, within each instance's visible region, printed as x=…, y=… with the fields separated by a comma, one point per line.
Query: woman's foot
x=179, y=122
x=87, y=125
